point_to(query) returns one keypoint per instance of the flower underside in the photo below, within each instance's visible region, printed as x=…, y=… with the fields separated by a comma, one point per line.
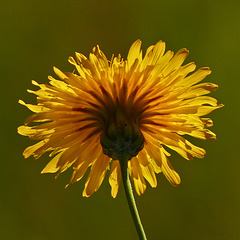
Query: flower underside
x=134, y=107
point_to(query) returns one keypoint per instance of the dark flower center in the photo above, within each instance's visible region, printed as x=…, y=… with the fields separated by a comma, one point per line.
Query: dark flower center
x=122, y=140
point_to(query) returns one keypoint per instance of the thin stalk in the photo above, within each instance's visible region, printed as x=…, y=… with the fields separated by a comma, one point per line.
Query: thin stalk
x=130, y=198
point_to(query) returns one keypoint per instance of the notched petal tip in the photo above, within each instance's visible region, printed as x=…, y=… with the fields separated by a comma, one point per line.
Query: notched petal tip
x=72, y=60
x=138, y=41
x=160, y=42
x=183, y=51
x=135, y=48
x=84, y=194
x=51, y=167
x=96, y=50
x=25, y=156
x=175, y=182
x=19, y=129
x=210, y=136
x=21, y=102
x=23, y=130
x=206, y=69
x=59, y=73
x=35, y=83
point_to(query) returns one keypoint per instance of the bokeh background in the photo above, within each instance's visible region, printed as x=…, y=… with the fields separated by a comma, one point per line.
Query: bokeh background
x=36, y=35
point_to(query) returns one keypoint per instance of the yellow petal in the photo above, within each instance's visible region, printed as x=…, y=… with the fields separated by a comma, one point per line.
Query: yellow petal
x=200, y=101
x=147, y=169
x=153, y=55
x=134, y=53
x=115, y=178
x=175, y=142
x=204, y=110
x=59, y=73
x=196, y=77
x=80, y=170
x=204, y=134
x=167, y=169
x=31, y=149
x=33, y=108
x=99, y=59
x=198, y=90
x=52, y=167
x=176, y=61
x=96, y=175
x=136, y=176
x=157, y=152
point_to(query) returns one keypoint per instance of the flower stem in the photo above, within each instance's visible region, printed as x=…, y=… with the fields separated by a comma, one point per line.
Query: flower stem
x=130, y=198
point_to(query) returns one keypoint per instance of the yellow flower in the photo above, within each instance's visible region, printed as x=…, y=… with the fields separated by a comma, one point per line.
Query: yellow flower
x=135, y=108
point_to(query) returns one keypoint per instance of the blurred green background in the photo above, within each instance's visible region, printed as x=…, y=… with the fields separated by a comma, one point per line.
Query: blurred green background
x=36, y=35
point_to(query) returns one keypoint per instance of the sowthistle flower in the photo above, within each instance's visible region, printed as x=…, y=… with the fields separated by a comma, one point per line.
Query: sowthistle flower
x=117, y=113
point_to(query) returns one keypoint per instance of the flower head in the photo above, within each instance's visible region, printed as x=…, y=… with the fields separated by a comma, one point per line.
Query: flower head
x=134, y=108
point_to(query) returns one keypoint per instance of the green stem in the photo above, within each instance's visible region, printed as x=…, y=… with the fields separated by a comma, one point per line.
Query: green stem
x=130, y=198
